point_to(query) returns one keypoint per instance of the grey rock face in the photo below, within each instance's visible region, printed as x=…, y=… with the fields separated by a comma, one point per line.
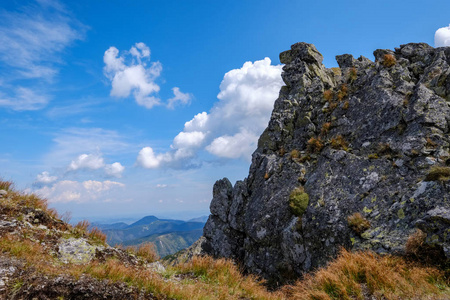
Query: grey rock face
x=359, y=139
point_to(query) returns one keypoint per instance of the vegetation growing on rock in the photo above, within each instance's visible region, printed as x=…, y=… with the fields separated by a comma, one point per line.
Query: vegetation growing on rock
x=298, y=201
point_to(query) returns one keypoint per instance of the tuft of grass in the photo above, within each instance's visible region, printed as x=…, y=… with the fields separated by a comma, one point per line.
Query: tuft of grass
x=346, y=105
x=97, y=235
x=353, y=74
x=82, y=225
x=339, y=143
x=298, y=201
x=328, y=95
x=438, y=173
x=325, y=128
x=415, y=243
x=343, y=92
x=358, y=223
x=146, y=251
x=363, y=275
x=295, y=154
x=314, y=145
x=6, y=185
x=389, y=60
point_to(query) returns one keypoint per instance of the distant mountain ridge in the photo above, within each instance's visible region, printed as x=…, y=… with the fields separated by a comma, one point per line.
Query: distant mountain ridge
x=169, y=236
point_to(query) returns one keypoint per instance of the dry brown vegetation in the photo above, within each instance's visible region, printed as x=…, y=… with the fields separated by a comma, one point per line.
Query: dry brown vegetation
x=339, y=143
x=389, y=60
x=325, y=128
x=359, y=275
x=358, y=223
x=328, y=95
x=315, y=145
x=343, y=92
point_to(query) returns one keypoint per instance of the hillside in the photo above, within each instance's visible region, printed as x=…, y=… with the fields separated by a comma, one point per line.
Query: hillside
x=355, y=157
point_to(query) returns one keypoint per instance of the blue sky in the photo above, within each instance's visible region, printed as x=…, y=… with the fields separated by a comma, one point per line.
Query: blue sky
x=121, y=109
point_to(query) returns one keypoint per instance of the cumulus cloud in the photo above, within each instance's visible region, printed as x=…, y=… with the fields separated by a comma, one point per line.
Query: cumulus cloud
x=45, y=178
x=87, y=161
x=132, y=72
x=232, y=127
x=114, y=169
x=95, y=162
x=442, y=37
x=73, y=191
x=179, y=97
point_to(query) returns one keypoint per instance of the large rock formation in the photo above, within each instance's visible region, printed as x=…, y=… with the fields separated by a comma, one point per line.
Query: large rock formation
x=368, y=137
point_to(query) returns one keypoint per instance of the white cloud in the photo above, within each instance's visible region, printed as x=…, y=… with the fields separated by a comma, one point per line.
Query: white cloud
x=442, y=37
x=133, y=75
x=95, y=162
x=232, y=127
x=147, y=158
x=238, y=145
x=179, y=96
x=161, y=186
x=73, y=191
x=21, y=99
x=116, y=169
x=87, y=161
x=45, y=178
x=33, y=38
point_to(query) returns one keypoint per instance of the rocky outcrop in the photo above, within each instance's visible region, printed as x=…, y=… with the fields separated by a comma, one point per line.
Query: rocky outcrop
x=368, y=137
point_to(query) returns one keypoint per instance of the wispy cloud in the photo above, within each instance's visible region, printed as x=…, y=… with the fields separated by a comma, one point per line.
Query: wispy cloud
x=70, y=143
x=34, y=37
x=21, y=98
x=232, y=127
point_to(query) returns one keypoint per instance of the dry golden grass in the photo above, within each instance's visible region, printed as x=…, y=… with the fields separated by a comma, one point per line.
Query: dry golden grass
x=358, y=223
x=82, y=225
x=343, y=92
x=328, y=95
x=202, y=278
x=389, y=60
x=97, y=235
x=353, y=74
x=325, y=128
x=346, y=105
x=315, y=145
x=352, y=275
x=6, y=185
x=415, y=242
x=146, y=251
x=339, y=143
x=295, y=154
